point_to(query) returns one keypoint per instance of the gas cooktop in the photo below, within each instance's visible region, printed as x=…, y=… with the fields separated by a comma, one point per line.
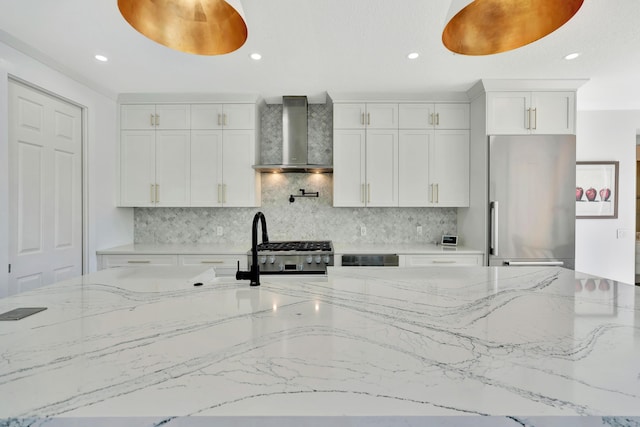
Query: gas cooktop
x=306, y=257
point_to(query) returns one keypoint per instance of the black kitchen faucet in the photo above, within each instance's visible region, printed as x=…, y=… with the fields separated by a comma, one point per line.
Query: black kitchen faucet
x=253, y=275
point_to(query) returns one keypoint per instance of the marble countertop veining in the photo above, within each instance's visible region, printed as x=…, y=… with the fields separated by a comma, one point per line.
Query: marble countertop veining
x=142, y=346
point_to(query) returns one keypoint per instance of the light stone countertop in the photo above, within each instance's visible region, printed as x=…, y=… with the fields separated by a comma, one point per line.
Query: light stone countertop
x=453, y=346
x=339, y=248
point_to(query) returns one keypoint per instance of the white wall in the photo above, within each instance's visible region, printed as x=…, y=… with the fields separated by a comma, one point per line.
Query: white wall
x=107, y=225
x=609, y=135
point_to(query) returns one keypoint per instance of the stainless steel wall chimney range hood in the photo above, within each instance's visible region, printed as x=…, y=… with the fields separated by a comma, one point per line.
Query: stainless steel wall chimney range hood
x=295, y=143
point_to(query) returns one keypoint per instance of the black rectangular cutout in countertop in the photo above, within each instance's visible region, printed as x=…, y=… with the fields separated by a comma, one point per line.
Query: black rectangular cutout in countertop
x=21, y=313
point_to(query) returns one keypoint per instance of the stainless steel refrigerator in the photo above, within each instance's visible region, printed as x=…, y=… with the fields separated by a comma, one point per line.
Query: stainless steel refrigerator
x=532, y=200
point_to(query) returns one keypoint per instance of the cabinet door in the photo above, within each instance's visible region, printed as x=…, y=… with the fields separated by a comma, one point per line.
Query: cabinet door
x=413, y=167
x=452, y=116
x=239, y=178
x=349, y=116
x=507, y=113
x=415, y=116
x=173, y=116
x=553, y=113
x=172, y=168
x=137, y=117
x=348, y=167
x=239, y=116
x=382, y=168
x=206, y=168
x=206, y=116
x=382, y=116
x=137, y=168
x=449, y=167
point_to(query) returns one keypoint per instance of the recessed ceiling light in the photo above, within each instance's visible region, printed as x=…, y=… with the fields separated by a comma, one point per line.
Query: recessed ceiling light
x=101, y=58
x=413, y=55
x=572, y=56
x=255, y=56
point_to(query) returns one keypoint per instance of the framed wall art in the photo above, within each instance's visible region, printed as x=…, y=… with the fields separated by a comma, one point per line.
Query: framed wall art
x=597, y=189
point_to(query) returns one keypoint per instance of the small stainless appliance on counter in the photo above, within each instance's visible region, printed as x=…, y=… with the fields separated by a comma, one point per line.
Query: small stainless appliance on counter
x=294, y=257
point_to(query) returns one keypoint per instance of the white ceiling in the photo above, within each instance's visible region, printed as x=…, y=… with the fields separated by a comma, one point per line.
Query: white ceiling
x=311, y=47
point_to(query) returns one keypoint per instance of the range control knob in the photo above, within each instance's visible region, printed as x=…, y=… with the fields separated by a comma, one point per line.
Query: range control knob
x=263, y=259
x=300, y=267
x=309, y=259
x=281, y=266
x=318, y=259
x=272, y=259
x=325, y=259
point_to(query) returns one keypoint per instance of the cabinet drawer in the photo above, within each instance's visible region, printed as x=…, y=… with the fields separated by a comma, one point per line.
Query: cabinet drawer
x=224, y=265
x=442, y=260
x=110, y=261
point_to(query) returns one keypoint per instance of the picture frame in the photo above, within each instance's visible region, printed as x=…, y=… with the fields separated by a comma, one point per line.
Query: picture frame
x=597, y=190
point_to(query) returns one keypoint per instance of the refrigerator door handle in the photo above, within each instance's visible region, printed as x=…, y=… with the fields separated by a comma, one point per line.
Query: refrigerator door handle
x=494, y=228
x=534, y=263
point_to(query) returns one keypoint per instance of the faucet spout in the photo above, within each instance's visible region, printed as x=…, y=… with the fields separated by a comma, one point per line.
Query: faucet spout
x=253, y=275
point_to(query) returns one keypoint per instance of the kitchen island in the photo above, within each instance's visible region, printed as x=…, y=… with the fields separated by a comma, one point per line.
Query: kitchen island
x=457, y=346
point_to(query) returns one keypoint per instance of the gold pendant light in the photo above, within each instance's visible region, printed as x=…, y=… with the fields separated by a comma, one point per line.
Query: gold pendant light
x=485, y=27
x=202, y=27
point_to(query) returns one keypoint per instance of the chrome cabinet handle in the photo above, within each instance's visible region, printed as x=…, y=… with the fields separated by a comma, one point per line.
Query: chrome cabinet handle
x=157, y=193
x=431, y=193
x=362, y=119
x=157, y=119
x=224, y=119
x=435, y=261
x=224, y=193
x=431, y=119
x=368, y=193
x=212, y=262
x=528, y=118
x=131, y=261
x=151, y=193
x=534, y=263
x=362, y=193
x=151, y=119
x=535, y=118
x=368, y=118
x=494, y=228
x=219, y=193
x=437, y=193
x=437, y=119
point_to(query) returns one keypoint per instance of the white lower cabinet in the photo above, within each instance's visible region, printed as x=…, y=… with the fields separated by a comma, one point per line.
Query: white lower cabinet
x=224, y=265
x=441, y=260
x=137, y=260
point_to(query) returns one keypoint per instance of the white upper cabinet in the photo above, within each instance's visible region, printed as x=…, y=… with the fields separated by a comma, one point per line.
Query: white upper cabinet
x=365, y=168
x=433, y=168
x=433, y=116
x=538, y=112
x=148, y=116
x=223, y=116
x=188, y=155
x=365, y=116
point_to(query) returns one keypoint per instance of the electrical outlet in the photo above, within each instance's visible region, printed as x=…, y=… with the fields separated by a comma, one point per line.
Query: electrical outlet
x=419, y=230
x=219, y=231
x=363, y=230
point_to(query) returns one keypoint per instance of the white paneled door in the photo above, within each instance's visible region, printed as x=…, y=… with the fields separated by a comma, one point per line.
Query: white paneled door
x=45, y=189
